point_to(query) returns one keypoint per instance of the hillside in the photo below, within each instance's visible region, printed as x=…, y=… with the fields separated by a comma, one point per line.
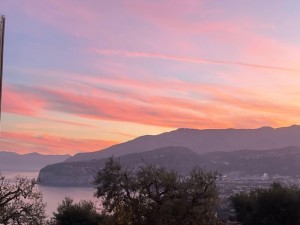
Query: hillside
x=284, y=161
x=203, y=141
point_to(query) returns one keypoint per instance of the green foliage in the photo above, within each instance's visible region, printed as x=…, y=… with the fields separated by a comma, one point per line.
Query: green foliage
x=21, y=202
x=277, y=205
x=155, y=196
x=82, y=213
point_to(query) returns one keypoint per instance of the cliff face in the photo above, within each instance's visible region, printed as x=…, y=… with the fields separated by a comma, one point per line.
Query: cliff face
x=284, y=161
x=203, y=141
x=68, y=174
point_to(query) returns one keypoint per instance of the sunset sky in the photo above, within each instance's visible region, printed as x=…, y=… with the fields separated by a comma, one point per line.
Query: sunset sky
x=81, y=75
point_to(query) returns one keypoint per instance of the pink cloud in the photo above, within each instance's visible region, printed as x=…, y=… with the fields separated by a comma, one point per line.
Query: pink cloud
x=29, y=104
x=174, y=27
x=244, y=38
x=221, y=109
x=21, y=103
x=186, y=59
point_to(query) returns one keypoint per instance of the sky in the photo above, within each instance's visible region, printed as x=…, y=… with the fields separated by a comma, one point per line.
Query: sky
x=82, y=75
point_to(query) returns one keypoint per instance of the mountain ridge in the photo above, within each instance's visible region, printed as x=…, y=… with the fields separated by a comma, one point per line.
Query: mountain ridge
x=203, y=141
x=12, y=161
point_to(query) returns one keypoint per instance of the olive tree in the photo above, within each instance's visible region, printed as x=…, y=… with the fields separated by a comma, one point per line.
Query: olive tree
x=21, y=202
x=153, y=196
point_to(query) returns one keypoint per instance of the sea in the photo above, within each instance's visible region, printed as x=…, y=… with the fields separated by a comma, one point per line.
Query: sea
x=53, y=196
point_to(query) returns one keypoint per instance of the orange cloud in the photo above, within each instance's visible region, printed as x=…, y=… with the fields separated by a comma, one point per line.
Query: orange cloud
x=49, y=144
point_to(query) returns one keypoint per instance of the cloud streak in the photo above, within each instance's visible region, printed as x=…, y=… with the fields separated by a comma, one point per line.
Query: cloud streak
x=132, y=54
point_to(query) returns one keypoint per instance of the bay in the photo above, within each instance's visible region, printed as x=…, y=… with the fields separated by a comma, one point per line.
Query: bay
x=52, y=196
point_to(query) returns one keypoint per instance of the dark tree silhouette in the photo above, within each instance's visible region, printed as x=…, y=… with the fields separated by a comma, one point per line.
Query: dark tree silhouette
x=153, y=196
x=82, y=213
x=277, y=205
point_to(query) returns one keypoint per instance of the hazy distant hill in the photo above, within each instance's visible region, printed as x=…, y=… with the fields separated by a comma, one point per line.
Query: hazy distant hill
x=28, y=162
x=203, y=141
x=285, y=161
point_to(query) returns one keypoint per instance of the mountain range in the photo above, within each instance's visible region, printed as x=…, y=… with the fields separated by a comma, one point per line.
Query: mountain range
x=229, y=151
x=11, y=161
x=203, y=141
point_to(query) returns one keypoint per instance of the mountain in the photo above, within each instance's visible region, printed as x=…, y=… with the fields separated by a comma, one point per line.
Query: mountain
x=283, y=161
x=11, y=161
x=203, y=141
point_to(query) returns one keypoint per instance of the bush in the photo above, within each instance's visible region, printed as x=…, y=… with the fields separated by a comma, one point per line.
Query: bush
x=277, y=205
x=82, y=213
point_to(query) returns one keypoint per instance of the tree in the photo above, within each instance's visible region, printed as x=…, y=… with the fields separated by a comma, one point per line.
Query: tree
x=21, y=202
x=276, y=205
x=82, y=213
x=153, y=196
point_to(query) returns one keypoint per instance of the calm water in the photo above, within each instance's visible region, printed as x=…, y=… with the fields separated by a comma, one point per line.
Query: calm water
x=54, y=195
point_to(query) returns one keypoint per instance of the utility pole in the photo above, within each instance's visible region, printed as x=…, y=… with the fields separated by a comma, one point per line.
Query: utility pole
x=2, y=29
